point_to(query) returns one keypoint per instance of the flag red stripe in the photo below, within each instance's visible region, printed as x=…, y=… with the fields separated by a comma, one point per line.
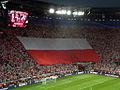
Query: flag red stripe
x=63, y=56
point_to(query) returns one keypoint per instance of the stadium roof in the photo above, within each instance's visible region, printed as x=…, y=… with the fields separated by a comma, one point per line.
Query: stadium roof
x=86, y=3
x=76, y=3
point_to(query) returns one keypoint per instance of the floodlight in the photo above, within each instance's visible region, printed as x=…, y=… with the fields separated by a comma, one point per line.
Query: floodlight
x=75, y=13
x=51, y=10
x=63, y=11
x=68, y=12
x=80, y=13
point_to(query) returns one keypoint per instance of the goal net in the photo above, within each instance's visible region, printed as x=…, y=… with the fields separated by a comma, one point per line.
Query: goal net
x=45, y=80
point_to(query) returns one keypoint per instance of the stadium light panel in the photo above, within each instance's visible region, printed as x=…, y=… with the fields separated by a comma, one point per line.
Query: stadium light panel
x=63, y=11
x=58, y=12
x=51, y=10
x=68, y=12
x=117, y=19
x=75, y=13
x=80, y=13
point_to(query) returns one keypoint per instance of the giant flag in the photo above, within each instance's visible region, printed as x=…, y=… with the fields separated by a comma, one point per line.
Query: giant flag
x=54, y=51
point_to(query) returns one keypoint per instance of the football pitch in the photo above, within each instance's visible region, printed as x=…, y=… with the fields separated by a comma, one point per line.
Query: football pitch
x=77, y=82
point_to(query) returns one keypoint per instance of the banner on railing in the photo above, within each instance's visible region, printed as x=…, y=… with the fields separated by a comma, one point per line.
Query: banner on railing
x=49, y=78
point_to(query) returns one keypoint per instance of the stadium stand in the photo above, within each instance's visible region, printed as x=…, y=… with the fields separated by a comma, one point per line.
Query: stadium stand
x=16, y=62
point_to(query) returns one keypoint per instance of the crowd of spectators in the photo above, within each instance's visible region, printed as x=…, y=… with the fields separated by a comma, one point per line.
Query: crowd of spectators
x=16, y=63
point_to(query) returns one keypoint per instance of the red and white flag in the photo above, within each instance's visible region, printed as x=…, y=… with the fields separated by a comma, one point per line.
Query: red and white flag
x=55, y=51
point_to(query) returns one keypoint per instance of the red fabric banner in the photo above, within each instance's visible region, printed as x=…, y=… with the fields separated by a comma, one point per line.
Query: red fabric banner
x=63, y=56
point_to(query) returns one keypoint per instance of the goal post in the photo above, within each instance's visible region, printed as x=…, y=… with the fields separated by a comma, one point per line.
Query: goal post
x=52, y=78
x=43, y=81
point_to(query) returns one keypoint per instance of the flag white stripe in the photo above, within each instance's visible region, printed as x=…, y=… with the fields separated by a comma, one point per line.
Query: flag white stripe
x=54, y=44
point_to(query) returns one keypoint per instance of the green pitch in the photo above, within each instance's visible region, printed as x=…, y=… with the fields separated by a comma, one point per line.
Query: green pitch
x=77, y=82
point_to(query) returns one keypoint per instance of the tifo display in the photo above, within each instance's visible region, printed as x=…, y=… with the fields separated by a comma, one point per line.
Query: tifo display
x=50, y=46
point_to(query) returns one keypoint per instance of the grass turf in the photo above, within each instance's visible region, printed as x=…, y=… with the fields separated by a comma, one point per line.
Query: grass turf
x=77, y=82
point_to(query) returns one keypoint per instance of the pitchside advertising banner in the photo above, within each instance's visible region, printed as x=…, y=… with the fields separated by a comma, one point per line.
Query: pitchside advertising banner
x=52, y=77
x=105, y=74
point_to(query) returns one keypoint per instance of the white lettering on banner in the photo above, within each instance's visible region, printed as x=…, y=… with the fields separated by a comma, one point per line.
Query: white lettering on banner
x=113, y=75
x=43, y=79
x=20, y=85
x=23, y=84
x=68, y=74
x=4, y=89
x=36, y=81
x=105, y=74
x=94, y=72
x=53, y=77
x=80, y=72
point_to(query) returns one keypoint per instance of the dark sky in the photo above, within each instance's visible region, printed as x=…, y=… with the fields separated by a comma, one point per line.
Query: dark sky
x=87, y=3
